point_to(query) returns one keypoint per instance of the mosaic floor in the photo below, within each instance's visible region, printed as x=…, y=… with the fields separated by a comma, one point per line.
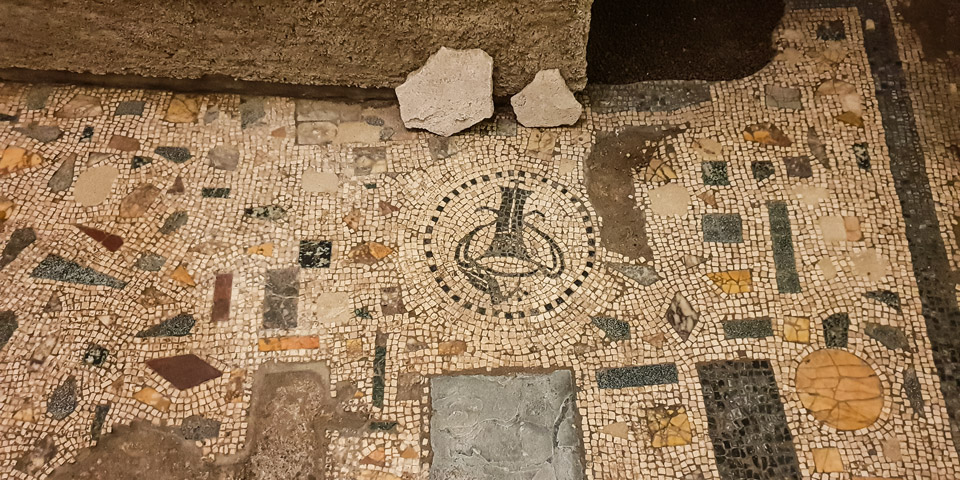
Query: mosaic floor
x=696, y=281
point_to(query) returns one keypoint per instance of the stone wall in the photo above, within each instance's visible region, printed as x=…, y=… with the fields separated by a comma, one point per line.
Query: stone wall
x=367, y=43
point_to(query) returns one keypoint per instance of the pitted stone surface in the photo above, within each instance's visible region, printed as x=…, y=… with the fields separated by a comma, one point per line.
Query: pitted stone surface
x=453, y=91
x=546, y=102
x=509, y=426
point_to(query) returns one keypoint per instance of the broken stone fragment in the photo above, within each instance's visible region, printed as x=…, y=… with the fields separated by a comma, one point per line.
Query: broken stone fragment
x=62, y=179
x=369, y=252
x=767, y=134
x=451, y=92
x=546, y=102
x=81, y=106
x=223, y=158
x=95, y=185
x=63, y=401
x=138, y=201
x=153, y=398
x=40, y=133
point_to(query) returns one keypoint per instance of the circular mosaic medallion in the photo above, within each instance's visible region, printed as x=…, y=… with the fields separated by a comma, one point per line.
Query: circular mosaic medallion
x=510, y=244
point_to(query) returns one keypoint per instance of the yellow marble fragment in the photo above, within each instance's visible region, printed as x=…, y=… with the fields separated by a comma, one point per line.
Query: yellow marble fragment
x=618, y=429
x=355, y=347
x=827, y=460
x=153, y=398
x=658, y=170
x=733, y=281
x=181, y=275
x=796, y=329
x=6, y=209
x=265, y=249
x=183, y=109
x=668, y=426
x=16, y=158
x=851, y=118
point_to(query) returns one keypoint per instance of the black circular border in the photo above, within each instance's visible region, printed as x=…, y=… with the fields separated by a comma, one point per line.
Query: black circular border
x=589, y=228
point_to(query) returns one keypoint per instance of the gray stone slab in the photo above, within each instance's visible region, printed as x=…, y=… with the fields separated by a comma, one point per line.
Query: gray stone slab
x=509, y=427
x=280, y=298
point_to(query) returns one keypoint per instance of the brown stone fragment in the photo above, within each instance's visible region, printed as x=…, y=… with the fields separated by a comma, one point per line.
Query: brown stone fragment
x=109, y=241
x=377, y=458
x=138, y=201
x=124, y=144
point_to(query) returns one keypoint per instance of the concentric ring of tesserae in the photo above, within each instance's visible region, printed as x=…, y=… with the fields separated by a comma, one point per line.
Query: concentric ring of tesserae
x=510, y=244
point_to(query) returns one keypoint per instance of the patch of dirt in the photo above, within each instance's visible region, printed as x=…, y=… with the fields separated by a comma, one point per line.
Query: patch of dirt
x=640, y=40
x=290, y=418
x=140, y=450
x=609, y=173
x=937, y=23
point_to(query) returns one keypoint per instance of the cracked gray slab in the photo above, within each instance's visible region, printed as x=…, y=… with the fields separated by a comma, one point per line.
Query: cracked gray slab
x=510, y=427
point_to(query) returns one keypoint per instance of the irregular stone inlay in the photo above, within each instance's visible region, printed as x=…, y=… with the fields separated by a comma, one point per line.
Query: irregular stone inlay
x=55, y=267
x=178, y=326
x=615, y=330
x=280, y=298
x=20, y=239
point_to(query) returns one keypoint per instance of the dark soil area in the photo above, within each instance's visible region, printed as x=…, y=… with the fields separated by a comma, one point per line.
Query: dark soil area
x=937, y=23
x=639, y=40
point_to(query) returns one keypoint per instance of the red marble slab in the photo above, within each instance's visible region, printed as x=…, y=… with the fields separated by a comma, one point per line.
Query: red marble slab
x=184, y=371
x=110, y=241
x=222, y=291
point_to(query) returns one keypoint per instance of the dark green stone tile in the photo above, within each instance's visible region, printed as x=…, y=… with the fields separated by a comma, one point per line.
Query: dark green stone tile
x=8, y=325
x=715, y=173
x=315, y=254
x=640, y=376
x=614, y=329
x=836, y=328
x=762, y=170
x=887, y=297
x=174, y=154
x=213, y=192
x=890, y=337
x=862, y=154
x=783, y=259
x=178, y=326
x=748, y=328
x=95, y=355
x=722, y=228
x=55, y=267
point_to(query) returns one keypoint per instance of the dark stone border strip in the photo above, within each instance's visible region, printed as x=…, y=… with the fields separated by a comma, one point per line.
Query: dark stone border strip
x=935, y=281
